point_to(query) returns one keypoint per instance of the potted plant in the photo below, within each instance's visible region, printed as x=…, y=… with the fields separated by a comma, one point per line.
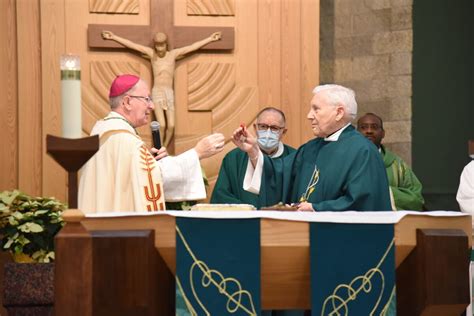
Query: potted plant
x=28, y=226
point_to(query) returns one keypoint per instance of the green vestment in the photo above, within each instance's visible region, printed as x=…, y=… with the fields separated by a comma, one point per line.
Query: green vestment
x=229, y=185
x=347, y=174
x=406, y=187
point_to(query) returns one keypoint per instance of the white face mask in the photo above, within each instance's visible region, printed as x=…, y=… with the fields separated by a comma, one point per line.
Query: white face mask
x=268, y=140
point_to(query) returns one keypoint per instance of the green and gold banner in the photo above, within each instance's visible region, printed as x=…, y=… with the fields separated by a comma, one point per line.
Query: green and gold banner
x=217, y=267
x=352, y=269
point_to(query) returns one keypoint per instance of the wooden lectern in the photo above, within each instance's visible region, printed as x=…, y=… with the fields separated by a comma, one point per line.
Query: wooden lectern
x=125, y=265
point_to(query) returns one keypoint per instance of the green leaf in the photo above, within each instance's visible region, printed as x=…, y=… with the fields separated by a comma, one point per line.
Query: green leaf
x=18, y=215
x=40, y=212
x=10, y=241
x=22, y=240
x=30, y=228
x=12, y=221
x=8, y=197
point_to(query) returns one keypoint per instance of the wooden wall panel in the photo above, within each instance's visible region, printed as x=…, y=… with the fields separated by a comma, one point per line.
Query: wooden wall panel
x=290, y=79
x=111, y=6
x=210, y=7
x=8, y=102
x=269, y=57
x=52, y=46
x=29, y=97
x=309, y=68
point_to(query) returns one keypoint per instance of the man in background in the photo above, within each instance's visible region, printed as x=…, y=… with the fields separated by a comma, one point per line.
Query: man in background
x=338, y=170
x=405, y=188
x=270, y=129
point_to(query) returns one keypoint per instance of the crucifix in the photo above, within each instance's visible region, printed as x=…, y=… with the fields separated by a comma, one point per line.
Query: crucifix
x=161, y=34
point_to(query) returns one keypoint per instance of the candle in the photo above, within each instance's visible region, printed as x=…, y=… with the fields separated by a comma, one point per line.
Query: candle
x=71, y=96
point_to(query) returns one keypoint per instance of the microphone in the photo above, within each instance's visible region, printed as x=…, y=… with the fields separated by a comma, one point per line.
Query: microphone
x=155, y=134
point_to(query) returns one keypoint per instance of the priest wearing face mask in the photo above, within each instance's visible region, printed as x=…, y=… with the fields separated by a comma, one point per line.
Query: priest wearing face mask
x=270, y=128
x=338, y=170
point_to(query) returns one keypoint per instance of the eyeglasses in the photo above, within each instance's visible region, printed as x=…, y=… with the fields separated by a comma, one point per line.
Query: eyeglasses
x=273, y=128
x=146, y=99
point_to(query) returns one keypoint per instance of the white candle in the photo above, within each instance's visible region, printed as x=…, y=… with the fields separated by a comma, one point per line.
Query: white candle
x=71, y=96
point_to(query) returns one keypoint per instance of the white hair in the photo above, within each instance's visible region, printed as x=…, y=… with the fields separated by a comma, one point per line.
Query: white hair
x=339, y=95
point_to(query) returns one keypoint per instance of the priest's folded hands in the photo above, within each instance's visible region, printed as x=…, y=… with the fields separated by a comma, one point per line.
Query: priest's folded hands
x=304, y=207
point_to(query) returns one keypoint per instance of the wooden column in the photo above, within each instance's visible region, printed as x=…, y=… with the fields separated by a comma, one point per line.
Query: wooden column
x=433, y=280
x=73, y=268
x=114, y=273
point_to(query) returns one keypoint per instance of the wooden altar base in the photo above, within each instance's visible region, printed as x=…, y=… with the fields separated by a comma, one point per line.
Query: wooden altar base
x=432, y=260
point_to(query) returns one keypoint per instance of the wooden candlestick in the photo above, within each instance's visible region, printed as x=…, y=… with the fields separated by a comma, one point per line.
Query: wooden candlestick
x=72, y=154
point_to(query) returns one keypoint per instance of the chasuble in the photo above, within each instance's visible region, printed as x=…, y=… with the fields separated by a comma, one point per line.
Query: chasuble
x=334, y=174
x=228, y=188
x=124, y=177
x=405, y=186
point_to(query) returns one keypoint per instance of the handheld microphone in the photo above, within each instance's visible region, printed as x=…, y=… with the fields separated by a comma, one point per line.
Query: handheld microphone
x=155, y=134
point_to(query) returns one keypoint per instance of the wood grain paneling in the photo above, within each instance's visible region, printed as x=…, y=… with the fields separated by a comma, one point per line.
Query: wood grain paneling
x=290, y=84
x=113, y=6
x=29, y=97
x=8, y=102
x=52, y=46
x=309, y=51
x=210, y=7
x=209, y=84
x=269, y=57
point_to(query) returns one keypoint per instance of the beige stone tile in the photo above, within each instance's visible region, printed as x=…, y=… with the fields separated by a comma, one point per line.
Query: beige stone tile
x=343, y=26
x=326, y=71
x=377, y=4
x=400, y=86
x=401, y=18
x=392, y=42
x=372, y=22
x=343, y=69
x=397, y=131
x=370, y=67
x=400, y=3
x=348, y=7
x=403, y=150
x=400, y=109
x=401, y=63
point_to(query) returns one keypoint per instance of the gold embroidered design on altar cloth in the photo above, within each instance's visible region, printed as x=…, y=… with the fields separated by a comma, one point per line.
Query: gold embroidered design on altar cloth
x=153, y=192
x=234, y=300
x=311, y=185
x=337, y=302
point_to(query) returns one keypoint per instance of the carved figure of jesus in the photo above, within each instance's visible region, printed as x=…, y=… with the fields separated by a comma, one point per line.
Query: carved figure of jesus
x=163, y=64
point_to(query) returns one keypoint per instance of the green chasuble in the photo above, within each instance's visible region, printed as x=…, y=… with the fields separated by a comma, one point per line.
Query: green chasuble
x=343, y=175
x=406, y=187
x=229, y=185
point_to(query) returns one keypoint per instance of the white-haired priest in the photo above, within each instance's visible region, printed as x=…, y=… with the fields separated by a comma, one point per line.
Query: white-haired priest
x=339, y=170
x=123, y=176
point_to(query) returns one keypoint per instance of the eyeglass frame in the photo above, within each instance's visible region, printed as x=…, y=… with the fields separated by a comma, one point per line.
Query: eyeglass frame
x=265, y=127
x=147, y=99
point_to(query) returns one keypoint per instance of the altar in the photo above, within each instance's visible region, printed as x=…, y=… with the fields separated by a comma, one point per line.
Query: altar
x=431, y=259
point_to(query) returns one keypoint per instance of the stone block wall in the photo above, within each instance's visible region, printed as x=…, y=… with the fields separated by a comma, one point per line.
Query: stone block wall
x=367, y=45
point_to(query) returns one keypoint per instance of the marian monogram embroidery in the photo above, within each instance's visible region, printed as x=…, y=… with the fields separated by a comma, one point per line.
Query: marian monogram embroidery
x=153, y=192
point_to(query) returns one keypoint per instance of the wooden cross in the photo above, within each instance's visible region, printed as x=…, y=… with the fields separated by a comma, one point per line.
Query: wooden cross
x=161, y=20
